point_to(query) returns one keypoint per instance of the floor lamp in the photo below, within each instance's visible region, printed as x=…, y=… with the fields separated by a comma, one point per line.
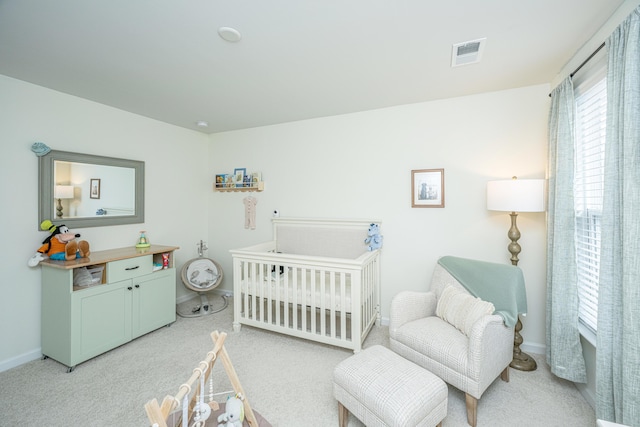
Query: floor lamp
x=62, y=192
x=517, y=195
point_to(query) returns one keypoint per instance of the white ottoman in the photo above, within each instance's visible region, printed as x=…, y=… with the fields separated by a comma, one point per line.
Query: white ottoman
x=382, y=388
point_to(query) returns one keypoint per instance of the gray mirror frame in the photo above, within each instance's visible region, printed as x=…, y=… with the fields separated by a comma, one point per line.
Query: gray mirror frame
x=45, y=189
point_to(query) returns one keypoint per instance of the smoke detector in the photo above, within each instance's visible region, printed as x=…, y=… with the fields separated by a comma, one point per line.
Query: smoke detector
x=229, y=34
x=467, y=52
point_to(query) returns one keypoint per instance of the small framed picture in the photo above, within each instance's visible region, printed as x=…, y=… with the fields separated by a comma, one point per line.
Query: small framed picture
x=256, y=177
x=94, y=188
x=238, y=176
x=427, y=188
x=221, y=179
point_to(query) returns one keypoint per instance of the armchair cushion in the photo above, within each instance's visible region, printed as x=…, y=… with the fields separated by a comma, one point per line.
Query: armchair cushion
x=462, y=310
x=407, y=306
x=443, y=343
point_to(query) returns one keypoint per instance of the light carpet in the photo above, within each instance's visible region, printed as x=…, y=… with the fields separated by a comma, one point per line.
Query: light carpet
x=288, y=380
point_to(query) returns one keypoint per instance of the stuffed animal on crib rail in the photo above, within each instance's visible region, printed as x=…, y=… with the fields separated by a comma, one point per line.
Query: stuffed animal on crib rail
x=234, y=412
x=375, y=239
x=61, y=244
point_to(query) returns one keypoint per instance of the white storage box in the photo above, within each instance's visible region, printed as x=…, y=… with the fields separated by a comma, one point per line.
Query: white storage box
x=96, y=273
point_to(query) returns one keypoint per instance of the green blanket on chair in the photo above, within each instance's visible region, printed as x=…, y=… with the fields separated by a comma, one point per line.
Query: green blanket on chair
x=500, y=284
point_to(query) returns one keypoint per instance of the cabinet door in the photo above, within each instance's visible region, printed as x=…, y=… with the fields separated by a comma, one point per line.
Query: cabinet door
x=154, y=301
x=56, y=318
x=101, y=319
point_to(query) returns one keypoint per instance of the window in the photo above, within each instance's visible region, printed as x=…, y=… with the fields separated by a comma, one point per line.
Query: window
x=591, y=113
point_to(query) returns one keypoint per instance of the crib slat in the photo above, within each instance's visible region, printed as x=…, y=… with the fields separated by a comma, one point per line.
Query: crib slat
x=323, y=300
x=303, y=299
x=356, y=311
x=271, y=293
x=248, y=291
x=259, y=292
x=296, y=306
x=312, y=274
x=333, y=312
x=237, y=287
x=343, y=306
x=254, y=300
x=286, y=296
x=366, y=302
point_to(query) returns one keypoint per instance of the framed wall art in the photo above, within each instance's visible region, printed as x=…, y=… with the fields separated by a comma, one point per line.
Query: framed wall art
x=427, y=188
x=94, y=188
x=238, y=176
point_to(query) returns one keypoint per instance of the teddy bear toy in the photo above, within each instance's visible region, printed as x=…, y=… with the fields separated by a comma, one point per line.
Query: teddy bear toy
x=375, y=239
x=61, y=245
x=234, y=413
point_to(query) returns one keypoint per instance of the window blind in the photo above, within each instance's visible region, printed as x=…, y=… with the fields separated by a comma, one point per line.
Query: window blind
x=591, y=112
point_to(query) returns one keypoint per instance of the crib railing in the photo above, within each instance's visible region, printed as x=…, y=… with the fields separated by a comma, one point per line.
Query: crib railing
x=333, y=301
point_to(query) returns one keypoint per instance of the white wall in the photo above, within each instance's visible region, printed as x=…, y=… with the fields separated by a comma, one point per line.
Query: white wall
x=177, y=185
x=353, y=166
x=359, y=166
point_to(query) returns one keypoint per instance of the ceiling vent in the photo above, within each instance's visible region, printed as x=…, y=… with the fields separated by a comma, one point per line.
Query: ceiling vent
x=467, y=52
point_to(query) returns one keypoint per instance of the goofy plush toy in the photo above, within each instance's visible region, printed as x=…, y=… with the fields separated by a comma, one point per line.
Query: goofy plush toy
x=60, y=245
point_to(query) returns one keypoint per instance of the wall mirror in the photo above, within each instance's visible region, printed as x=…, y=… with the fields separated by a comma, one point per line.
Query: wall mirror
x=82, y=190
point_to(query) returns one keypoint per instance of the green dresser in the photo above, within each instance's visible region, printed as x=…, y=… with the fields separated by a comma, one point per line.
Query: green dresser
x=129, y=298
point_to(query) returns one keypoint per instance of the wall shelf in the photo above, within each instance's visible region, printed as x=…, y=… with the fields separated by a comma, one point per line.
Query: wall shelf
x=254, y=187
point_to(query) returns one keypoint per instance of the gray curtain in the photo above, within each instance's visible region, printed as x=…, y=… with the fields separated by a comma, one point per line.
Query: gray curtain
x=618, y=338
x=564, y=351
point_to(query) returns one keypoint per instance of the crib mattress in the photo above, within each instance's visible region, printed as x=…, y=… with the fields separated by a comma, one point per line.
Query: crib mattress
x=276, y=286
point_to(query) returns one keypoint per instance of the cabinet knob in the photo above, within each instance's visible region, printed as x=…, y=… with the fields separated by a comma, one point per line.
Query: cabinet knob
x=137, y=286
x=130, y=288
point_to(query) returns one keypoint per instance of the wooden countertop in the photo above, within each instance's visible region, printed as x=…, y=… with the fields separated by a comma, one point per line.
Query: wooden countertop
x=101, y=257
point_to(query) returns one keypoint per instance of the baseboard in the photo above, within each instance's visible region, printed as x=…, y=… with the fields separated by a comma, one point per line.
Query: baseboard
x=20, y=360
x=534, y=348
x=384, y=321
x=587, y=394
x=192, y=295
x=184, y=298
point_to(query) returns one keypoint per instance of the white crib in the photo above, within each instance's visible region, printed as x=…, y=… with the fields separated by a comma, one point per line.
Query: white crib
x=315, y=280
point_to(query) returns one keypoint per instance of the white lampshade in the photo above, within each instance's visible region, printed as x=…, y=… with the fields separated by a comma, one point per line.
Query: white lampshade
x=516, y=195
x=63, y=192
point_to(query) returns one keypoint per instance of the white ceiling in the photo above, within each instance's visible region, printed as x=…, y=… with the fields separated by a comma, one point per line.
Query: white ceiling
x=297, y=59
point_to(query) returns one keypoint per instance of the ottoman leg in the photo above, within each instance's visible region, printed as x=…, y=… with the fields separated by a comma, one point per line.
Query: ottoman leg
x=343, y=415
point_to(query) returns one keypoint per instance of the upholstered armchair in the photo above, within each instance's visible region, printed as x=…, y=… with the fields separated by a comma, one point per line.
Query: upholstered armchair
x=458, y=340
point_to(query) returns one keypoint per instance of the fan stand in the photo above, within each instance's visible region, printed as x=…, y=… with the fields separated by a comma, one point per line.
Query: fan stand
x=202, y=275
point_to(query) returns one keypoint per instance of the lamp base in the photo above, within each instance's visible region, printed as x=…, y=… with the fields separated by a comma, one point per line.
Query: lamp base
x=521, y=361
x=514, y=234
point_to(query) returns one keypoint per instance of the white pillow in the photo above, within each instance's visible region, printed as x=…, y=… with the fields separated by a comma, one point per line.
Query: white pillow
x=461, y=309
